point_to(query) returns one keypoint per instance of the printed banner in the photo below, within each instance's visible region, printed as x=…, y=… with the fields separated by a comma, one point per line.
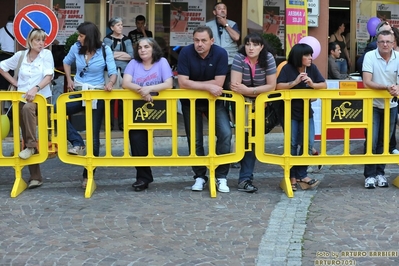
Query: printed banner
x=297, y=22
x=127, y=10
x=274, y=18
x=185, y=16
x=70, y=14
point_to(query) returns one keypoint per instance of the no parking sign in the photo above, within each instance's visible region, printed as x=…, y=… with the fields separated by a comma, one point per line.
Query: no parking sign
x=35, y=16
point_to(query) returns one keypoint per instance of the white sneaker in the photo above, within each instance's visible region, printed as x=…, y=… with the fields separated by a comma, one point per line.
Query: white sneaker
x=27, y=153
x=395, y=151
x=381, y=181
x=199, y=184
x=369, y=182
x=77, y=150
x=221, y=184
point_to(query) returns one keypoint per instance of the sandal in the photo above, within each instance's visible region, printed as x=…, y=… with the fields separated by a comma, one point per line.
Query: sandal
x=294, y=185
x=84, y=183
x=309, y=184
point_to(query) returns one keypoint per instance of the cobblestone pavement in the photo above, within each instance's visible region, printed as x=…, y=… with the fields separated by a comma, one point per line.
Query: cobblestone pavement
x=170, y=225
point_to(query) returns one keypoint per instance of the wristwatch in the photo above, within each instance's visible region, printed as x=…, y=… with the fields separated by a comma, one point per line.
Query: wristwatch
x=38, y=87
x=227, y=24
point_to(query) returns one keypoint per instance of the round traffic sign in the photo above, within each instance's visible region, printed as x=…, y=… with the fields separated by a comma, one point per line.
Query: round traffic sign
x=35, y=16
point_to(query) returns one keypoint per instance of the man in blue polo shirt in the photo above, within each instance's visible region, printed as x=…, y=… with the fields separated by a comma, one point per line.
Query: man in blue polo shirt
x=203, y=66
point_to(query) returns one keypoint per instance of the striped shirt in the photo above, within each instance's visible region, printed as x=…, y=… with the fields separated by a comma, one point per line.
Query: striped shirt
x=259, y=78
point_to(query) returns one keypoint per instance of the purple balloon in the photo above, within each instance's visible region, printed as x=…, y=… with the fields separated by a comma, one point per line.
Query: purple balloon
x=372, y=26
x=314, y=43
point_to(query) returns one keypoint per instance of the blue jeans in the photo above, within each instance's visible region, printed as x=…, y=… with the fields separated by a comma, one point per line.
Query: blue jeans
x=73, y=136
x=223, y=134
x=342, y=66
x=300, y=171
x=372, y=170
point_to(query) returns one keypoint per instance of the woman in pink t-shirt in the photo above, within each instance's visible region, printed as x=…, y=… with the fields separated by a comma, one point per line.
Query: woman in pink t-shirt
x=147, y=74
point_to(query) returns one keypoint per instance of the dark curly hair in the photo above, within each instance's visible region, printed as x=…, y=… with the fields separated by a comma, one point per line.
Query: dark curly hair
x=156, y=50
x=257, y=39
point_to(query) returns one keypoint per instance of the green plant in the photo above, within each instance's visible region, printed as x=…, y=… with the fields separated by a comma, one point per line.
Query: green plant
x=274, y=42
x=70, y=41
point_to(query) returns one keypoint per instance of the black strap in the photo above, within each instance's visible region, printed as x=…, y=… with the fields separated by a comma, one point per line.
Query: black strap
x=250, y=74
x=115, y=42
x=105, y=56
x=9, y=34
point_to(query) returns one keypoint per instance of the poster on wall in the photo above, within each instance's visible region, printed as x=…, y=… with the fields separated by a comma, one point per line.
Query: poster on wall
x=274, y=18
x=297, y=22
x=185, y=16
x=389, y=13
x=127, y=10
x=70, y=14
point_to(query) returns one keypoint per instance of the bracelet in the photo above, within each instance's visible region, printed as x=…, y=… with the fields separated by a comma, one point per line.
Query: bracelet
x=38, y=87
x=254, y=92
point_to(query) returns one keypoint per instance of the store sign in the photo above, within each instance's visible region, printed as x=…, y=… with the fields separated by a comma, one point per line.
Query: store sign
x=313, y=13
x=313, y=7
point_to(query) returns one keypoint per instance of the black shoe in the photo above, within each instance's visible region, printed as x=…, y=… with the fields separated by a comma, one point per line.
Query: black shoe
x=140, y=185
x=247, y=186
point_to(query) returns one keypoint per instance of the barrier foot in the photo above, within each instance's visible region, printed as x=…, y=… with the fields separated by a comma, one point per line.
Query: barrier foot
x=19, y=186
x=285, y=185
x=212, y=187
x=90, y=187
x=395, y=182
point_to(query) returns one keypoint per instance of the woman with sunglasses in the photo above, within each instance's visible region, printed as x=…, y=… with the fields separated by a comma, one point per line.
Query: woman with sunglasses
x=34, y=77
x=147, y=74
x=88, y=54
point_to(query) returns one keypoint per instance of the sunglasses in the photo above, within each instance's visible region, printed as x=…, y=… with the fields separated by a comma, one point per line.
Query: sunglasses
x=84, y=70
x=385, y=23
x=35, y=29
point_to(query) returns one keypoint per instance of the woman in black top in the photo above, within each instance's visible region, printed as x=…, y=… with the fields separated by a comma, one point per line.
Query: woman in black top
x=344, y=61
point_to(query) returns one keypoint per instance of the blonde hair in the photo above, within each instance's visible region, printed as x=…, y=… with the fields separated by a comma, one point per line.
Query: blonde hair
x=35, y=33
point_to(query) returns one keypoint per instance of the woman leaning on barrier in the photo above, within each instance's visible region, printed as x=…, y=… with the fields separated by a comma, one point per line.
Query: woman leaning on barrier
x=145, y=75
x=34, y=77
x=253, y=72
x=88, y=54
x=300, y=73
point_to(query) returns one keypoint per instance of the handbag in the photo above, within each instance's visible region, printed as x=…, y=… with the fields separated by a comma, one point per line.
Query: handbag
x=271, y=113
x=16, y=71
x=118, y=81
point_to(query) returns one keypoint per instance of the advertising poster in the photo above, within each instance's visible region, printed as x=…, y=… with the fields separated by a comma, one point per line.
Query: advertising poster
x=387, y=12
x=297, y=22
x=274, y=18
x=70, y=14
x=127, y=10
x=185, y=16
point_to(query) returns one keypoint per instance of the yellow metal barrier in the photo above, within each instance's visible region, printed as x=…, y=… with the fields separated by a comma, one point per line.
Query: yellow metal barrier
x=162, y=115
x=338, y=111
x=12, y=158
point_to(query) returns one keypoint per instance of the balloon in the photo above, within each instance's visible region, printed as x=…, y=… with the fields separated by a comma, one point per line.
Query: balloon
x=280, y=66
x=314, y=43
x=5, y=126
x=372, y=25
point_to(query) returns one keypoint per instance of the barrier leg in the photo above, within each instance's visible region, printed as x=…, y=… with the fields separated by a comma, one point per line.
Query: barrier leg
x=285, y=184
x=212, y=182
x=395, y=182
x=19, y=184
x=91, y=184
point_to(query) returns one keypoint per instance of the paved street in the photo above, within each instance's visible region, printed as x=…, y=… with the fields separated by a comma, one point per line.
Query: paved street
x=170, y=225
